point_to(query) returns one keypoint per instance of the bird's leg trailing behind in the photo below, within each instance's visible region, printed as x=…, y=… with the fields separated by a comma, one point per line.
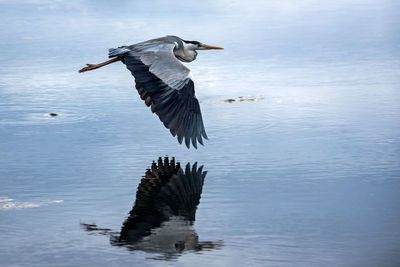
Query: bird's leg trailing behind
x=96, y=66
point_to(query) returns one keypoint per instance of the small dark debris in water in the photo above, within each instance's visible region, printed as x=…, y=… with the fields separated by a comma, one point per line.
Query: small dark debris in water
x=93, y=227
x=53, y=114
x=241, y=99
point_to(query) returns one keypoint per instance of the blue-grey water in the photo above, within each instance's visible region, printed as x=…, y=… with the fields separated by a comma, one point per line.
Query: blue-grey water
x=306, y=175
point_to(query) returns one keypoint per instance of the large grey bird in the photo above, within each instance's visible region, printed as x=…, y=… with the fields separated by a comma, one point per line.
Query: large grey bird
x=164, y=83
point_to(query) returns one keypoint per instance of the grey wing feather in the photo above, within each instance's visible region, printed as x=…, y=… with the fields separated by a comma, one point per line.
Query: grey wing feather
x=165, y=85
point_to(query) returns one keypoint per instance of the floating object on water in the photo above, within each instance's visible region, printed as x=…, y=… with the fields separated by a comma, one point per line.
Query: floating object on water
x=241, y=99
x=164, y=83
x=53, y=114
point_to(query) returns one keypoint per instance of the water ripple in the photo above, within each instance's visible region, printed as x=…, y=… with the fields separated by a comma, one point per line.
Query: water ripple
x=7, y=203
x=18, y=115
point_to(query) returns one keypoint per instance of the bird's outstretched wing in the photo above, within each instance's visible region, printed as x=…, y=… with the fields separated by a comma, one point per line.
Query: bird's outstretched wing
x=165, y=84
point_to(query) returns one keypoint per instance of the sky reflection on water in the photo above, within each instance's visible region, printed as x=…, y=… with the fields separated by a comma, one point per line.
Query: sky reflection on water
x=306, y=176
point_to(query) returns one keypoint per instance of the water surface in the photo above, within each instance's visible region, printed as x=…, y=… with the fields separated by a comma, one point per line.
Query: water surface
x=307, y=175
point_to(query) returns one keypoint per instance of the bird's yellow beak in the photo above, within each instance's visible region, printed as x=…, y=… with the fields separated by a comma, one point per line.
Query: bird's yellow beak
x=206, y=47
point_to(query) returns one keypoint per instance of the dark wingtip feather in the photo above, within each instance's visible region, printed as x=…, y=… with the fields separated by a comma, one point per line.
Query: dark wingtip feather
x=194, y=143
x=180, y=139
x=200, y=169
x=187, y=168
x=200, y=139
x=187, y=142
x=194, y=167
x=203, y=133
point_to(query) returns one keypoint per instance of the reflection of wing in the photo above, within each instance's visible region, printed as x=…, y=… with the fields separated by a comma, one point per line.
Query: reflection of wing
x=165, y=191
x=154, y=179
x=181, y=195
x=164, y=83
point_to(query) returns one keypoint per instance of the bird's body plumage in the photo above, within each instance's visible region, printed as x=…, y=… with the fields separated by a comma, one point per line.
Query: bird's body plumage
x=165, y=84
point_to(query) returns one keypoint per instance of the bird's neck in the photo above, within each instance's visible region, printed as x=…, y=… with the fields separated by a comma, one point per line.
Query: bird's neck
x=185, y=53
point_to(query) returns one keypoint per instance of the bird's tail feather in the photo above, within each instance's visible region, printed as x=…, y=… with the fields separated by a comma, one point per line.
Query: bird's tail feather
x=114, y=52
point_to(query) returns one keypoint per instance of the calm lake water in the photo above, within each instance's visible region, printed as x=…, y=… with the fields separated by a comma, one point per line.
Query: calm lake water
x=306, y=175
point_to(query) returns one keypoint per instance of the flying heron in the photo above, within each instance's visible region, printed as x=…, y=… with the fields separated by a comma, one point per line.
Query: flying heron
x=164, y=83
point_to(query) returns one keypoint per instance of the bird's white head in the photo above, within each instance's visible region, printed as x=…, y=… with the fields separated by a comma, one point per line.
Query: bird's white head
x=186, y=50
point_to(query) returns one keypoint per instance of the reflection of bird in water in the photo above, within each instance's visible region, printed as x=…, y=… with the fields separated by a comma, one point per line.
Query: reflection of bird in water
x=165, y=191
x=164, y=83
x=162, y=218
